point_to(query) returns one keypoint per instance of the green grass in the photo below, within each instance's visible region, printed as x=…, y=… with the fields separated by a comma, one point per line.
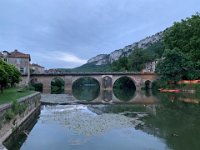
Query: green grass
x=11, y=94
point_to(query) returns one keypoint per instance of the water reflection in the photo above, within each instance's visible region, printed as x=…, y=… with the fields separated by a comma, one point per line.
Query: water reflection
x=106, y=95
x=158, y=121
x=176, y=120
x=86, y=89
x=124, y=94
x=87, y=93
x=124, y=89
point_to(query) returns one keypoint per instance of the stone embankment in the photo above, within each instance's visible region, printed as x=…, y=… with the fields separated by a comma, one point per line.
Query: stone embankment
x=9, y=124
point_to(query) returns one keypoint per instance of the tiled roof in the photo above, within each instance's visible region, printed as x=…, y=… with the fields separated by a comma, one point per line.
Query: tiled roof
x=17, y=54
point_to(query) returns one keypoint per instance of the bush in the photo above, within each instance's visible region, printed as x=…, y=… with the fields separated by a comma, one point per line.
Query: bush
x=9, y=115
x=38, y=87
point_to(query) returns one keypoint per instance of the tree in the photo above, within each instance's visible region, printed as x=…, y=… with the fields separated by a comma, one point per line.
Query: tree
x=9, y=75
x=137, y=60
x=185, y=36
x=120, y=65
x=175, y=66
x=3, y=78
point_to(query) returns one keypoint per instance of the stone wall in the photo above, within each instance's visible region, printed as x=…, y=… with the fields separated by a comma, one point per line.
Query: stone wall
x=7, y=127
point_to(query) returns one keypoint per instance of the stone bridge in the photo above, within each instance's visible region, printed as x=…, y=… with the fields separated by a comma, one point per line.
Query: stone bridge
x=106, y=80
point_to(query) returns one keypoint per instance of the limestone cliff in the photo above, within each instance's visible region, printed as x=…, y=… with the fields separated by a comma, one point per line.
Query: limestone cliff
x=103, y=59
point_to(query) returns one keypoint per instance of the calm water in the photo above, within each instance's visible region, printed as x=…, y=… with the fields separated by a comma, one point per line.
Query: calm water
x=170, y=122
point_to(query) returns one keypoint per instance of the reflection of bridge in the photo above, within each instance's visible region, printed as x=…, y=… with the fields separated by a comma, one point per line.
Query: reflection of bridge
x=107, y=96
x=106, y=80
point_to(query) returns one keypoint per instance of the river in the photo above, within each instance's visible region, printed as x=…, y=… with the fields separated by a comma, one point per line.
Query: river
x=163, y=121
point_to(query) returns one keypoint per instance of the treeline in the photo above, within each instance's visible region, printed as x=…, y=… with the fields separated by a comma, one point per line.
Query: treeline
x=138, y=58
x=181, y=58
x=9, y=75
x=178, y=53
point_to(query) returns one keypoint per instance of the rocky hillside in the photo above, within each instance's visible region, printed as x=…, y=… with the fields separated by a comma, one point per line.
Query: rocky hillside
x=104, y=59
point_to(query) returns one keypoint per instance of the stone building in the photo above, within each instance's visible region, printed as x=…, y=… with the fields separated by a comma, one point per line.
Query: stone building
x=150, y=66
x=18, y=59
x=37, y=69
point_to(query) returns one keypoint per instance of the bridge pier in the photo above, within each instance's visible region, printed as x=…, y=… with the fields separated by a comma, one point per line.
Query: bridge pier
x=68, y=84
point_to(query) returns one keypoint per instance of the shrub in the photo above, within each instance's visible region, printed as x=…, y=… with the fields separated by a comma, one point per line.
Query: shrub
x=9, y=115
x=38, y=87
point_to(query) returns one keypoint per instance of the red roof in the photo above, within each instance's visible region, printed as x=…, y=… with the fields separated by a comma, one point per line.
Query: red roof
x=17, y=54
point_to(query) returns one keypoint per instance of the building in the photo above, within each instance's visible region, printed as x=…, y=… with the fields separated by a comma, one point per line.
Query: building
x=37, y=69
x=150, y=66
x=18, y=59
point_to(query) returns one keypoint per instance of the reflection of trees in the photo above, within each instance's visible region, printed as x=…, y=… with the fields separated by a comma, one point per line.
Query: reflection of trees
x=177, y=122
x=86, y=93
x=123, y=108
x=86, y=89
x=124, y=89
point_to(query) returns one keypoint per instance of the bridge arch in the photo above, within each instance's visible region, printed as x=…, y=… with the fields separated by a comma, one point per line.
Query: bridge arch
x=75, y=78
x=124, y=88
x=115, y=78
x=86, y=88
x=57, y=85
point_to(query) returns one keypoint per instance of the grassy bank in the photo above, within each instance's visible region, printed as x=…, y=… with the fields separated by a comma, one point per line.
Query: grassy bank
x=11, y=94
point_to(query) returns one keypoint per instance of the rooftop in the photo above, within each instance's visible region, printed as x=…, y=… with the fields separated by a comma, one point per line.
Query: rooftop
x=17, y=54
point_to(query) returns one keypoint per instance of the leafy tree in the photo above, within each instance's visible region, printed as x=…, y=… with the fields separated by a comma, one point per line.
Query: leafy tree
x=120, y=65
x=3, y=78
x=15, y=78
x=9, y=75
x=137, y=60
x=156, y=50
x=185, y=36
x=175, y=66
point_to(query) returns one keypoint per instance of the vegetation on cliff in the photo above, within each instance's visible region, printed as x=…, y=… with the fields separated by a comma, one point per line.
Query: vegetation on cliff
x=138, y=58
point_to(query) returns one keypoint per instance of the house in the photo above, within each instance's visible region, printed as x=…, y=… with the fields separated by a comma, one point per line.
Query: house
x=19, y=60
x=37, y=69
x=150, y=66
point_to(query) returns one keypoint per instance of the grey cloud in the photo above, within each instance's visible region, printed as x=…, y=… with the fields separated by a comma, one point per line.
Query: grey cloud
x=84, y=28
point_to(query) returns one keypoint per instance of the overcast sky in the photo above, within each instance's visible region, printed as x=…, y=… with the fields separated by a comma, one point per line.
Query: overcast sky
x=66, y=33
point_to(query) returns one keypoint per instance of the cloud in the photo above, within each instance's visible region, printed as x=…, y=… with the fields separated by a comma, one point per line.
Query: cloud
x=71, y=58
x=65, y=33
x=58, y=59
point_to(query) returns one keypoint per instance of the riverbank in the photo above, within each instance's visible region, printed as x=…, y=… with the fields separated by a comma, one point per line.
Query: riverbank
x=11, y=94
x=11, y=119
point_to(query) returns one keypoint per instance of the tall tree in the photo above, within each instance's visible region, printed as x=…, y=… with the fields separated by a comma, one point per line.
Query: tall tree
x=185, y=36
x=137, y=60
x=175, y=66
x=120, y=65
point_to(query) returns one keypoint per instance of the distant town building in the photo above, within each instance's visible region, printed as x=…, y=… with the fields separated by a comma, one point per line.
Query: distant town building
x=37, y=69
x=150, y=66
x=18, y=59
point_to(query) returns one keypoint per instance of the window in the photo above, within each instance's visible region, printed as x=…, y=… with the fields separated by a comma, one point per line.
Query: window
x=22, y=70
x=5, y=59
x=18, y=60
